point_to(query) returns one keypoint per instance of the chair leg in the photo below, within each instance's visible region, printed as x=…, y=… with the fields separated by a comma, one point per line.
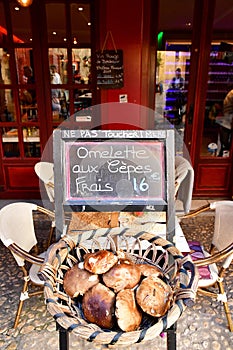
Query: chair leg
x=226, y=306
x=23, y=296
x=51, y=232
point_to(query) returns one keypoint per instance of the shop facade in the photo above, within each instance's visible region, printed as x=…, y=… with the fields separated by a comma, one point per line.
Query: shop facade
x=50, y=72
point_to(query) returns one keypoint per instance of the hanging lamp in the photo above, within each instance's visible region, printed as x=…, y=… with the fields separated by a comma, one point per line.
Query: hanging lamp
x=25, y=3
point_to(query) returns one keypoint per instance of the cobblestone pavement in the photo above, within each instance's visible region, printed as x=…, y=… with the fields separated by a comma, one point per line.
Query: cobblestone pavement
x=203, y=326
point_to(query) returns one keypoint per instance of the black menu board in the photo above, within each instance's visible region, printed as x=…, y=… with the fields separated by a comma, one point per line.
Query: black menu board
x=113, y=170
x=109, y=66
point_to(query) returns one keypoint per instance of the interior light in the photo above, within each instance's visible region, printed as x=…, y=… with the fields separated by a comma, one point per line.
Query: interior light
x=54, y=33
x=80, y=8
x=65, y=39
x=160, y=40
x=89, y=23
x=16, y=8
x=25, y=3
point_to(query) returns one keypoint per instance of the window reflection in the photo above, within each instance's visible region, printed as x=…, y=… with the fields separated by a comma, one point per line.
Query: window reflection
x=217, y=131
x=7, y=106
x=58, y=58
x=23, y=59
x=10, y=142
x=28, y=105
x=5, y=77
x=31, y=142
x=81, y=65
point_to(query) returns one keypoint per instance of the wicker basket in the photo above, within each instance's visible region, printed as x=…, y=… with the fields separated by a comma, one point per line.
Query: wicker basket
x=180, y=271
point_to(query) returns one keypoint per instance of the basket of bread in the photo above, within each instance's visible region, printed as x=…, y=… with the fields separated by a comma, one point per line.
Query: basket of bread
x=117, y=286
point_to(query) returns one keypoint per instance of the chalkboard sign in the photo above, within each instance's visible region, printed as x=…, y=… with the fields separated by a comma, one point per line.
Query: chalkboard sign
x=116, y=172
x=109, y=66
x=113, y=170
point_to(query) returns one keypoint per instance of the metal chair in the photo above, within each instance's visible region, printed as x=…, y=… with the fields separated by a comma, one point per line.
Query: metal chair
x=18, y=234
x=220, y=256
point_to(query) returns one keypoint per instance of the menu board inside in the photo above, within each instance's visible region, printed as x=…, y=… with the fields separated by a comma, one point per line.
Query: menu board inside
x=109, y=66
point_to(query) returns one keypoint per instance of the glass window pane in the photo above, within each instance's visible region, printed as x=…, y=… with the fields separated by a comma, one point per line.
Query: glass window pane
x=28, y=105
x=84, y=97
x=81, y=65
x=24, y=65
x=31, y=138
x=216, y=140
x=56, y=22
x=171, y=92
x=10, y=142
x=174, y=46
x=7, y=106
x=21, y=24
x=3, y=31
x=32, y=149
x=217, y=128
x=81, y=23
x=58, y=61
x=5, y=77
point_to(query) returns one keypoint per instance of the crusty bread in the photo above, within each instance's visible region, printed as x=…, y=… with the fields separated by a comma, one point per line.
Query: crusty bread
x=77, y=281
x=127, y=312
x=154, y=296
x=98, y=306
x=149, y=270
x=99, y=262
x=122, y=276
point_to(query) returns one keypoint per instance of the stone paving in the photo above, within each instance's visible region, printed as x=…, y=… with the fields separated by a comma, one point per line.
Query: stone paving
x=203, y=326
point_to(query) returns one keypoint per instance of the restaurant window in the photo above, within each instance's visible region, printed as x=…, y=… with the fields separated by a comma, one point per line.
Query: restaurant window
x=217, y=128
x=173, y=64
x=70, y=60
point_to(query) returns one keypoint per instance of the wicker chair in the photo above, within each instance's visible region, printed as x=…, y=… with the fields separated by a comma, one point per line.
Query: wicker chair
x=220, y=256
x=44, y=170
x=17, y=233
x=184, y=179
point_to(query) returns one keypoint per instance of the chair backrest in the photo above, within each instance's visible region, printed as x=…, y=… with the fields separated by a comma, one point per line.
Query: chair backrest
x=44, y=171
x=184, y=180
x=223, y=225
x=17, y=226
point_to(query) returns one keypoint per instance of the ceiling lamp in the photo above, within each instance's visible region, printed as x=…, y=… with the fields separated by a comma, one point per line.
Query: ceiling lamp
x=25, y=3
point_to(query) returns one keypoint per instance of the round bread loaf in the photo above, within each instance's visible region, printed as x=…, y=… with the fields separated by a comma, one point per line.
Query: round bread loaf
x=99, y=262
x=98, y=306
x=77, y=281
x=149, y=270
x=122, y=276
x=127, y=312
x=154, y=296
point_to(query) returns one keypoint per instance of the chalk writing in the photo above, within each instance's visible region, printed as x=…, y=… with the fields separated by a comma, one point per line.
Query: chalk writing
x=109, y=67
x=124, y=171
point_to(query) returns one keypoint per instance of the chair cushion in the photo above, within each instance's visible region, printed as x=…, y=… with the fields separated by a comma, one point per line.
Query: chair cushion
x=34, y=271
x=207, y=274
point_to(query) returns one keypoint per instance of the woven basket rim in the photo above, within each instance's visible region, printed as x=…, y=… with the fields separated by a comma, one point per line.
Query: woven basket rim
x=58, y=253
